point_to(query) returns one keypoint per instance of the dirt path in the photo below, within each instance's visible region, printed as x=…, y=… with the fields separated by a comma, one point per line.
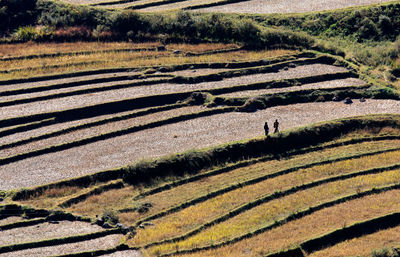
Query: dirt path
x=288, y=6
x=196, y=133
x=141, y=91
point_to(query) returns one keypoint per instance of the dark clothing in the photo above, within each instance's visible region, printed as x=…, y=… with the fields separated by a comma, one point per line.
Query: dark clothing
x=266, y=128
x=276, y=126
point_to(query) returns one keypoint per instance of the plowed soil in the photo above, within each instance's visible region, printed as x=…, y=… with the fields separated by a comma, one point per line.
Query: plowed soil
x=90, y=245
x=141, y=91
x=46, y=231
x=288, y=6
x=196, y=133
x=340, y=83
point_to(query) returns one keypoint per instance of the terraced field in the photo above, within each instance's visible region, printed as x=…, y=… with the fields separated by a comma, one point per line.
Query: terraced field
x=228, y=6
x=90, y=165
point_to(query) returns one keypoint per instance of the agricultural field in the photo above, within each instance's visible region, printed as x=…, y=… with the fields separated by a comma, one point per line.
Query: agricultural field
x=68, y=134
x=226, y=6
x=126, y=132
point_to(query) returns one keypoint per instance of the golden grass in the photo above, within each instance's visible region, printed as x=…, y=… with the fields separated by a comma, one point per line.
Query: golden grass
x=310, y=226
x=200, y=48
x=174, y=196
x=51, y=197
x=267, y=213
x=130, y=60
x=396, y=84
x=363, y=246
x=110, y=200
x=76, y=59
x=31, y=48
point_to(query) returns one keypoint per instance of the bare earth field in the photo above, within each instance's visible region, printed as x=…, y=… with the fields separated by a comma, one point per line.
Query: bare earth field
x=130, y=253
x=10, y=220
x=46, y=231
x=90, y=245
x=339, y=83
x=157, y=89
x=196, y=133
x=56, y=127
x=98, y=130
x=288, y=6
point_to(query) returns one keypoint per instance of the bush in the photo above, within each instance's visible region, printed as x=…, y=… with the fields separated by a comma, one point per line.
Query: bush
x=110, y=216
x=29, y=33
x=25, y=34
x=126, y=24
x=367, y=30
x=385, y=25
x=16, y=13
x=61, y=15
x=73, y=33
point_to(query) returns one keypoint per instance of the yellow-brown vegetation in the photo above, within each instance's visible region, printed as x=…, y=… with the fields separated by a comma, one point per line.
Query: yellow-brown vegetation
x=363, y=246
x=319, y=223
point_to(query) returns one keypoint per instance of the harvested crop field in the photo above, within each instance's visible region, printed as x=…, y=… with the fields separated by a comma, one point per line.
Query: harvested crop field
x=62, y=249
x=9, y=220
x=340, y=83
x=98, y=130
x=46, y=231
x=53, y=127
x=288, y=6
x=308, y=227
x=364, y=246
x=178, y=137
x=130, y=253
x=159, y=89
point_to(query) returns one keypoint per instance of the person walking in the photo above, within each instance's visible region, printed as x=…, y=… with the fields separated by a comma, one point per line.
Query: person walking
x=276, y=126
x=266, y=129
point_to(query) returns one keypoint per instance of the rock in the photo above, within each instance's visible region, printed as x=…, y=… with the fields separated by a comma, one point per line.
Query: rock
x=292, y=65
x=124, y=229
x=161, y=48
x=348, y=100
x=177, y=52
x=362, y=100
x=53, y=222
x=285, y=68
x=99, y=221
x=335, y=98
x=141, y=226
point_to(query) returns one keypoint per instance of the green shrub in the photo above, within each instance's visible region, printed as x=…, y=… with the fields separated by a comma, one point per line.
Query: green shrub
x=16, y=13
x=367, y=30
x=110, y=216
x=385, y=25
x=25, y=34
